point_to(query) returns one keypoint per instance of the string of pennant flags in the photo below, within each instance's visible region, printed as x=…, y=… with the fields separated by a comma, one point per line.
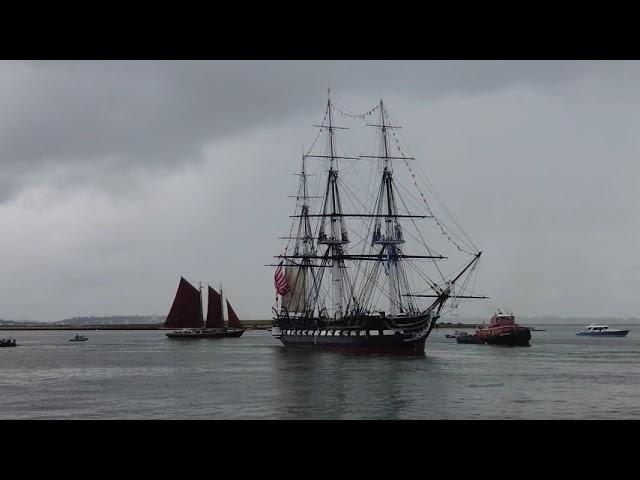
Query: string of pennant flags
x=362, y=116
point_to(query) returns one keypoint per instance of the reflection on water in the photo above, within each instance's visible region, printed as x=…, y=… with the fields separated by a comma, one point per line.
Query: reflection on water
x=340, y=385
x=131, y=374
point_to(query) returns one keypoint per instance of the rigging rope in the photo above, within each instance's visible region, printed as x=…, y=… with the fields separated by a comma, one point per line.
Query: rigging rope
x=434, y=192
x=413, y=175
x=424, y=199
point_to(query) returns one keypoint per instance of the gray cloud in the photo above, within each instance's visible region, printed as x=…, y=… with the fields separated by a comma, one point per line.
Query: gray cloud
x=117, y=177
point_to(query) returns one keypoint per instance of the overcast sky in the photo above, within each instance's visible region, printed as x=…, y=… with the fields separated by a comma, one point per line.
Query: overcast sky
x=118, y=177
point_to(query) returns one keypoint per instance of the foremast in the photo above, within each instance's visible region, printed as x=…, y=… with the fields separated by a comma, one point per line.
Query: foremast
x=387, y=210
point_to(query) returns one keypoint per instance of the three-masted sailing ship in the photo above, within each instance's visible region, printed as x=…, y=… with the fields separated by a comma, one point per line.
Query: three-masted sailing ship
x=186, y=315
x=368, y=294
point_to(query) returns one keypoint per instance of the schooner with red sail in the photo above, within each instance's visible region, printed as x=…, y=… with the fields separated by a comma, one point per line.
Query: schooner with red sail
x=187, y=317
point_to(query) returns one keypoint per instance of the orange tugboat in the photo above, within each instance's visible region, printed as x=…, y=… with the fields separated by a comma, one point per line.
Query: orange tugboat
x=503, y=330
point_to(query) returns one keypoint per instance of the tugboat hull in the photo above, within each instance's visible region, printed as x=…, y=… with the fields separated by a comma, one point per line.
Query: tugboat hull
x=519, y=338
x=516, y=339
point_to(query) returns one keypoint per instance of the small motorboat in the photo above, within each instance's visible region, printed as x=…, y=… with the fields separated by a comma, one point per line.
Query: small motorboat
x=457, y=334
x=78, y=338
x=603, y=331
x=8, y=342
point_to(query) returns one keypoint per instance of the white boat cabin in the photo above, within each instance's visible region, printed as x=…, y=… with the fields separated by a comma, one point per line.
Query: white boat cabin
x=597, y=328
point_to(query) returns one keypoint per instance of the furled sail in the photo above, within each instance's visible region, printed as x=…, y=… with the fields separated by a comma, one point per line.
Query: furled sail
x=234, y=321
x=295, y=300
x=186, y=311
x=214, y=310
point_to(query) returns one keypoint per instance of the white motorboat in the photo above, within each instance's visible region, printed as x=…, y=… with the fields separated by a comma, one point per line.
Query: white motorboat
x=603, y=331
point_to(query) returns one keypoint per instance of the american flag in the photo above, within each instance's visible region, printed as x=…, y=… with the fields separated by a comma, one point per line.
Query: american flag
x=280, y=281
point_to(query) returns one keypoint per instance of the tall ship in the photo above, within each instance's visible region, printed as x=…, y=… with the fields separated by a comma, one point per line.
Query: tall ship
x=187, y=316
x=357, y=272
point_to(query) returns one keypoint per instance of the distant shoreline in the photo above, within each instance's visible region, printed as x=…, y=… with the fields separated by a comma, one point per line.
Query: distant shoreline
x=248, y=324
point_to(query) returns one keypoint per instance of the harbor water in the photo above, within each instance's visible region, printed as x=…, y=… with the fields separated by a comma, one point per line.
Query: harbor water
x=145, y=375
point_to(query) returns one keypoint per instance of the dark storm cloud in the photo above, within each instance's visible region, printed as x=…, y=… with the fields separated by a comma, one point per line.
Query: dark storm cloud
x=112, y=115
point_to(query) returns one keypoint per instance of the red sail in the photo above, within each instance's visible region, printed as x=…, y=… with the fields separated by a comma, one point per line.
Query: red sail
x=214, y=310
x=234, y=321
x=186, y=311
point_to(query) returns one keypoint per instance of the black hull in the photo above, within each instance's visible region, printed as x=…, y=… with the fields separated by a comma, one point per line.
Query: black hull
x=220, y=334
x=399, y=335
x=372, y=344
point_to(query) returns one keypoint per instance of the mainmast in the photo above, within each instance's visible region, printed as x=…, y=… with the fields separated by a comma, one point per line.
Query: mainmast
x=200, y=304
x=222, y=308
x=338, y=235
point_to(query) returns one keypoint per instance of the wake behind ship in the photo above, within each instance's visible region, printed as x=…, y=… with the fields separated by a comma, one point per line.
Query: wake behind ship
x=363, y=295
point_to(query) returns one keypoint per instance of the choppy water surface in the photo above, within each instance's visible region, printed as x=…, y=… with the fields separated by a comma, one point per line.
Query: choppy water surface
x=143, y=374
